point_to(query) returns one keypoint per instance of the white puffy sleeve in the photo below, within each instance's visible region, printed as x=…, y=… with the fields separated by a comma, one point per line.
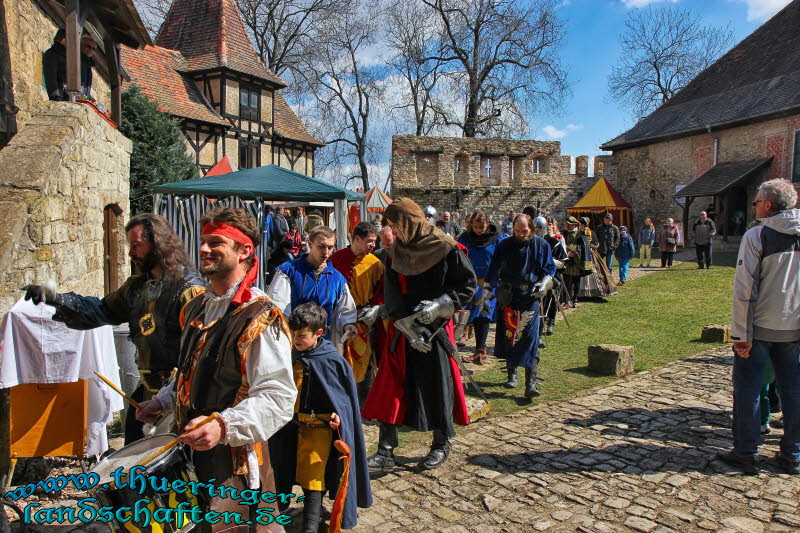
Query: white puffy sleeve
x=270, y=404
x=344, y=312
x=280, y=292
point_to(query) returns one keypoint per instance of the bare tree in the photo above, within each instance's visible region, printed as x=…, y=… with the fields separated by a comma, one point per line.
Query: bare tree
x=662, y=50
x=410, y=34
x=346, y=85
x=153, y=13
x=283, y=30
x=503, y=56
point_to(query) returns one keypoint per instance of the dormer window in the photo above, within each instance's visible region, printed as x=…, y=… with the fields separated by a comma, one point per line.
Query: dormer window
x=248, y=102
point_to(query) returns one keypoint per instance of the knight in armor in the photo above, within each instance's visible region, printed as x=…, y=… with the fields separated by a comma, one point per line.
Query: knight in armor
x=521, y=274
x=558, y=251
x=149, y=301
x=419, y=382
x=235, y=363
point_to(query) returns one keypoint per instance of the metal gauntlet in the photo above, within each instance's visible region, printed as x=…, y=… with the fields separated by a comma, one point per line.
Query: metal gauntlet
x=369, y=315
x=542, y=286
x=428, y=311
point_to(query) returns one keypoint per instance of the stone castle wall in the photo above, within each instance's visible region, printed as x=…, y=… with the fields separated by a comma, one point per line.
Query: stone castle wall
x=30, y=34
x=496, y=175
x=64, y=166
x=647, y=176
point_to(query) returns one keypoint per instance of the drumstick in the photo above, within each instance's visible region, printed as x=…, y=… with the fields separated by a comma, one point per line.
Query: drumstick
x=175, y=441
x=130, y=400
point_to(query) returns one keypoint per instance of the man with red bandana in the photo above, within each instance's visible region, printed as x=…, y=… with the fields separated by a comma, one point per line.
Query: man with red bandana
x=235, y=360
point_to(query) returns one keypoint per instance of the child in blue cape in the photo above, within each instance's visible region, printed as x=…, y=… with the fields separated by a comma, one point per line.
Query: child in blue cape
x=322, y=448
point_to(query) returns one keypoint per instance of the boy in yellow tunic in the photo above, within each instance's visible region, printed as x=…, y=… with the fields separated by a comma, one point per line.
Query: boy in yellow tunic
x=322, y=448
x=364, y=274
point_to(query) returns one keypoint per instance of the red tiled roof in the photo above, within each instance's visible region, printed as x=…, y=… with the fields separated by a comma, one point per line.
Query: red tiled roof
x=288, y=125
x=210, y=34
x=155, y=70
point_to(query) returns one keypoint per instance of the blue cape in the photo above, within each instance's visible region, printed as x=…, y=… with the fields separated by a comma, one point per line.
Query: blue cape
x=332, y=372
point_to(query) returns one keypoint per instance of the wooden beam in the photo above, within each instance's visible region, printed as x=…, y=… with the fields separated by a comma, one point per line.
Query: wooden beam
x=74, y=27
x=112, y=57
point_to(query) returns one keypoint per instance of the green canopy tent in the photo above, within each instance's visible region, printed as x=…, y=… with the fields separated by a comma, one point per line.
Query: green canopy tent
x=184, y=202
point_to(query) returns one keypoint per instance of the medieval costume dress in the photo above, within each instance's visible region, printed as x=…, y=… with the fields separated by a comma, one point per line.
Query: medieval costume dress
x=550, y=303
x=520, y=270
x=480, y=249
x=297, y=282
x=600, y=282
x=151, y=307
x=364, y=275
x=416, y=388
x=305, y=452
x=235, y=361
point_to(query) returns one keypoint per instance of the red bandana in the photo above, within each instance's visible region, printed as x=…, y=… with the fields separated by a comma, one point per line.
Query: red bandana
x=235, y=234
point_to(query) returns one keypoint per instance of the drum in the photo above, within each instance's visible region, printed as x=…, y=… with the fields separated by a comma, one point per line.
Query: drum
x=170, y=466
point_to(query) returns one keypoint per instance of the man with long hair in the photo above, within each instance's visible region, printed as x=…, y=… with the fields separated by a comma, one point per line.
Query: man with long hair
x=150, y=302
x=418, y=382
x=235, y=363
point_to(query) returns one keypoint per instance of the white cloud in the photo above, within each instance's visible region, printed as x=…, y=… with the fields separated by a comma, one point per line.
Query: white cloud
x=644, y=3
x=554, y=133
x=763, y=9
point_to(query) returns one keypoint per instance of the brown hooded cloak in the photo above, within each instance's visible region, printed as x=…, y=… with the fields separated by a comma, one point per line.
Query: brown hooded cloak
x=420, y=244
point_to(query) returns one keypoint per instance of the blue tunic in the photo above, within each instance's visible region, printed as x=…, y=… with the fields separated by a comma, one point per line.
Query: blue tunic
x=481, y=259
x=324, y=289
x=521, y=265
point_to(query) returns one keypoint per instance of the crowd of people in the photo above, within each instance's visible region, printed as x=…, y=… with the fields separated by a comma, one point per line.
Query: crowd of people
x=288, y=374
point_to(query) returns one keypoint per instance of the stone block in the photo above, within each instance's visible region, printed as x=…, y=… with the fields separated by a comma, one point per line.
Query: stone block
x=611, y=359
x=716, y=333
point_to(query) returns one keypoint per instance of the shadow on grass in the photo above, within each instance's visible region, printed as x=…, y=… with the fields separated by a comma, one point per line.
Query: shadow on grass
x=585, y=371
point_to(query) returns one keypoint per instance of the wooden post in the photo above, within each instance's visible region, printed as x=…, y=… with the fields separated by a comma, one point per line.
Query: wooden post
x=687, y=202
x=112, y=58
x=74, y=27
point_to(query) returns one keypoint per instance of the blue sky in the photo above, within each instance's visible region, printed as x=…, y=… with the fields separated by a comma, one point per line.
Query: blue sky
x=590, y=118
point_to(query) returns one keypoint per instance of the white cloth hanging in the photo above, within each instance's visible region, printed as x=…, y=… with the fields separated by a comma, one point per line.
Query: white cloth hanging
x=36, y=349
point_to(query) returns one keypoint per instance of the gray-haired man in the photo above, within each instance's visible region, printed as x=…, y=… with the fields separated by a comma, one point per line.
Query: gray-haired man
x=766, y=325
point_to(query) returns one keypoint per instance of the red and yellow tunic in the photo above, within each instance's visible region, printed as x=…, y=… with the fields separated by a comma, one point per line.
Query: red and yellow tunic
x=364, y=275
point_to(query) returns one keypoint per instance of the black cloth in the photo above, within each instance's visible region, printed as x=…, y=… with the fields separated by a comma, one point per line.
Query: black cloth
x=275, y=260
x=607, y=238
x=481, y=327
x=331, y=384
x=428, y=378
x=54, y=64
x=470, y=238
x=133, y=428
x=573, y=284
x=666, y=259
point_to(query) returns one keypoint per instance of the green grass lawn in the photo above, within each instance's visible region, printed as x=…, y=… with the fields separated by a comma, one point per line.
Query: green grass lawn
x=660, y=314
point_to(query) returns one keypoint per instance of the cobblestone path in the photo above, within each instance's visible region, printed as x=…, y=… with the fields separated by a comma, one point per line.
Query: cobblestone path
x=638, y=455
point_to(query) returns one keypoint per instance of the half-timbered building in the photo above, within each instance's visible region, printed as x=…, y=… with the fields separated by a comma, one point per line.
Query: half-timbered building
x=204, y=71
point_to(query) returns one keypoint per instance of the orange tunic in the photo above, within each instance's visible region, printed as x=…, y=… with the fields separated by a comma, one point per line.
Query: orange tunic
x=364, y=275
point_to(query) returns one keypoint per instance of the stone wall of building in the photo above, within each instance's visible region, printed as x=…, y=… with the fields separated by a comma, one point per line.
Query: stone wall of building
x=30, y=34
x=57, y=175
x=647, y=176
x=497, y=175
